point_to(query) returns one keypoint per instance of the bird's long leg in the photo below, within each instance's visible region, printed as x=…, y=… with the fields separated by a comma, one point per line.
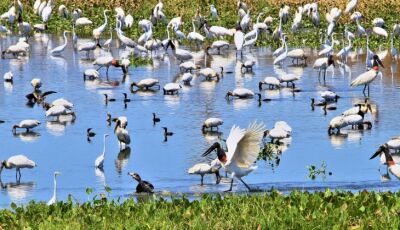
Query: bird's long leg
x=230, y=189
x=368, y=90
x=202, y=176
x=248, y=187
x=365, y=86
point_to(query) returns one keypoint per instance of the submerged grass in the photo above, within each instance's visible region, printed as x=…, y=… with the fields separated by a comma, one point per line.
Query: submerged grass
x=308, y=35
x=298, y=210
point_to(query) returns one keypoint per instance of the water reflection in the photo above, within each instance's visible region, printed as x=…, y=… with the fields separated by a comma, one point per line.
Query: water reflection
x=122, y=159
x=30, y=136
x=17, y=191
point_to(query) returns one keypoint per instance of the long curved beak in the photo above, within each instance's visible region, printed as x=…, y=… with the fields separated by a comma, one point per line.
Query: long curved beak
x=209, y=150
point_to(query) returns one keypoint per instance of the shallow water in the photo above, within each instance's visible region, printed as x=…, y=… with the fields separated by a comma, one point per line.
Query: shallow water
x=63, y=146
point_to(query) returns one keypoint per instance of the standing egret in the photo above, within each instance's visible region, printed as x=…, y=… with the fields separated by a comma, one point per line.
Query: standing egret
x=59, y=49
x=214, y=12
x=53, y=199
x=283, y=55
x=322, y=64
x=99, y=30
x=18, y=162
x=243, y=148
x=99, y=163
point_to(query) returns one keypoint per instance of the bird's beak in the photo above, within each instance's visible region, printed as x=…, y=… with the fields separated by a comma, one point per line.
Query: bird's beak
x=378, y=152
x=209, y=150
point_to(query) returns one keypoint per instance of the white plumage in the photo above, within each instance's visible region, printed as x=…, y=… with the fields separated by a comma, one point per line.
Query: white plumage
x=350, y=6
x=171, y=88
x=99, y=162
x=53, y=199
x=187, y=78
x=83, y=22
x=61, y=101
x=18, y=162
x=26, y=124
x=59, y=49
x=241, y=93
x=8, y=76
x=380, y=31
x=146, y=83
x=212, y=122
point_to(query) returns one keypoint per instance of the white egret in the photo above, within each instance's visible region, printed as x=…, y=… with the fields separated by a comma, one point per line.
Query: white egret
x=239, y=40
x=214, y=12
x=243, y=148
x=99, y=163
x=99, y=30
x=53, y=199
x=59, y=49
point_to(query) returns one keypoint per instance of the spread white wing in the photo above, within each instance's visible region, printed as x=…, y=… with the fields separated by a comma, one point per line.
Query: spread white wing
x=248, y=147
x=234, y=137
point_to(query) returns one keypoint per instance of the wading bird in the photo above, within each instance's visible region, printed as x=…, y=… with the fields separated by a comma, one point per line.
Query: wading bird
x=18, y=162
x=243, y=148
x=53, y=199
x=99, y=163
x=143, y=186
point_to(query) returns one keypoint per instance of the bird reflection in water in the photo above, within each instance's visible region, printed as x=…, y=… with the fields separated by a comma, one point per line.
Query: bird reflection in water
x=27, y=136
x=17, y=191
x=122, y=159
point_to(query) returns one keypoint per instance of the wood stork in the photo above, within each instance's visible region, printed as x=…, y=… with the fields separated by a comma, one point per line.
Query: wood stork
x=392, y=166
x=378, y=22
x=322, y=64
x=25, y=124
x=99, y=30
x=180, y=54
x=188, y=66
x=241, y=93
x=284, y=13
x=296, y=55
x=59, y=49
x=99, y=163
x=248, y=65
x=87, y=47
x=218, y=45
x=171, y=88
x=187, y=78
x=380, y=31
x=336, y=123
x=243, y=148
x=59, y=110
x=143, y=186
x=204, y=168
x=104, y=61
x=211, y=123
x=216, y=31
x=369, y=76
x=276, y=134
x=91, y=74
x=272, y=83
x=145, y=84
x=209, y=73
x=289, y=78
x=122, y=134
x=63, y=102
x=83, y=22
x=53, y=199
x=8, y=76
x=18, y=162
x=329, y=96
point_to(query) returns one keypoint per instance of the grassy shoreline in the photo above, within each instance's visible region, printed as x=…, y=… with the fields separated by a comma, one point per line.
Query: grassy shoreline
x=228, y=13
x=298, y=210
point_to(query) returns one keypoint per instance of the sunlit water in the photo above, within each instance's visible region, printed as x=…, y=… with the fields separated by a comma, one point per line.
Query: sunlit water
x=63, y=146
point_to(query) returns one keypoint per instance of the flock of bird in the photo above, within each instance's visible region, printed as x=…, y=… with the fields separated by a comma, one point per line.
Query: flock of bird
x=242, y=145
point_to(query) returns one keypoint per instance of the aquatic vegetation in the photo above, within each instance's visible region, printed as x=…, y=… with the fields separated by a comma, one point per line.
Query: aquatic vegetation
x=313, y=171
x=302, y=210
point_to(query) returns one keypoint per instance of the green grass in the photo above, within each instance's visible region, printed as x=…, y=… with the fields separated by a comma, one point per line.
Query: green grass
x=298, y=210
x=141, y=9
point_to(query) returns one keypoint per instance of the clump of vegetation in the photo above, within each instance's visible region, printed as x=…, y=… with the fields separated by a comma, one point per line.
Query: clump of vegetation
x=297, y=210
x=140, y=61
x=313, y=171
x=308, y=35
x=270, y=153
